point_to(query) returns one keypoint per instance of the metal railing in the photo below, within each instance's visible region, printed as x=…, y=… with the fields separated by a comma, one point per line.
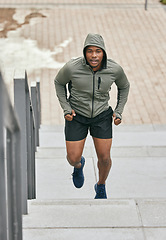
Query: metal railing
x=10, y=170
x=19, y=138
x=28, y=110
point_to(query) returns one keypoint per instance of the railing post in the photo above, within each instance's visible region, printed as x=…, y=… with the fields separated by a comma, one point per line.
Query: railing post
x=14, y=185
x=35, y=104
x=17, y=170
x=39, y=100
x=20, y=103
x=33, y=150
x=3, y=219
x=146, y=4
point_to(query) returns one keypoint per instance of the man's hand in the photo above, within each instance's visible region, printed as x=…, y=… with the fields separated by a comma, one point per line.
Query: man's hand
x=117, y=121
x=69, y=117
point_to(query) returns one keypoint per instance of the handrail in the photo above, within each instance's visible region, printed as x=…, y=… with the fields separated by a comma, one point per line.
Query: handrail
x=10, y=169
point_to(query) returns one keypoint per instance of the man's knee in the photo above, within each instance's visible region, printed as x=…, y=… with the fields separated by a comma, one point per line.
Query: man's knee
x=73, y=159
x=104, y=160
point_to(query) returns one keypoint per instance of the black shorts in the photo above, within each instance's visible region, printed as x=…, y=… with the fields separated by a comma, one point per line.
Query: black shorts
x=99, y=126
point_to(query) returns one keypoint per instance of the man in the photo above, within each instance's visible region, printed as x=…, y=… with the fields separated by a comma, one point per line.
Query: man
x=89, y=79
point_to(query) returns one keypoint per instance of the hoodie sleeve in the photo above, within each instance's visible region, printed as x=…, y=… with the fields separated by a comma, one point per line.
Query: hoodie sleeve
x=123, y=86
x=62, y=78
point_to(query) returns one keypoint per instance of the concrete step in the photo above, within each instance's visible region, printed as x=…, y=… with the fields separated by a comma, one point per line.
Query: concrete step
x=82, y=213
x=120, y=219
x=120, y=128
x=116, y=152
x=123, y=136
x=139, y=177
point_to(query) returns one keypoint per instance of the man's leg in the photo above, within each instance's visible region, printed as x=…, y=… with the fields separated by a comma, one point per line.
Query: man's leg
x=74, y=152
x=75, y=158
x=103, y=147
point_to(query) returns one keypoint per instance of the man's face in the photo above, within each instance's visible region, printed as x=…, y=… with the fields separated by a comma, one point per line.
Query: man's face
x=94, y=57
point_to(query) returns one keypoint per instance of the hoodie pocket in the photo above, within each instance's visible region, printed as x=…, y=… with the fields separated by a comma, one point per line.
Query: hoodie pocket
x=104, y=84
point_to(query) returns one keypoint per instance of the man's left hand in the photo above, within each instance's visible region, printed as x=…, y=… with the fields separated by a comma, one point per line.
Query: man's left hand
x=117, y=121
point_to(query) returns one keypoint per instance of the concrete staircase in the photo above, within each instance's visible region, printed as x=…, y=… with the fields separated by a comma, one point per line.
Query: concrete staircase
x=136, y=204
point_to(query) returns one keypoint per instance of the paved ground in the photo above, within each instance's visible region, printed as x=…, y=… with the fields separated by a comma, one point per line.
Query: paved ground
x=41, y=36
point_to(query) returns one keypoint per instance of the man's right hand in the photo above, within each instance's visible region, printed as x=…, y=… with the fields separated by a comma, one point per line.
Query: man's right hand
x=69, y=117
x=117, y=121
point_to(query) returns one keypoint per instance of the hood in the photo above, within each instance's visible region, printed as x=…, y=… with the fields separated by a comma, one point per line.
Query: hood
x=98, y=41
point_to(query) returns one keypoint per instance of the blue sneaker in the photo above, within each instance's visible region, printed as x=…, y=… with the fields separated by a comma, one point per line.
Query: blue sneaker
x=100, y=191
x=78, y=176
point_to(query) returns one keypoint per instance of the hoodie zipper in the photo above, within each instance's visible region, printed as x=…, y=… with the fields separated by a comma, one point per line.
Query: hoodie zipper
x=93, y=94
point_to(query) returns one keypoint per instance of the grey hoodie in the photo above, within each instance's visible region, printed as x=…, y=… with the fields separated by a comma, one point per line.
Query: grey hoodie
x=89, y=91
